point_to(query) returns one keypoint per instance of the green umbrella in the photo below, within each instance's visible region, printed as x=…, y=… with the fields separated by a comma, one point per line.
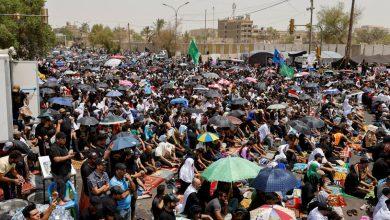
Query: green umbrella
x=231, y=169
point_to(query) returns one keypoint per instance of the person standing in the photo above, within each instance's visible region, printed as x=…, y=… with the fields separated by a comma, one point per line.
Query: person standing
x=98, y=186
x=9, y=177
x=158, y=203
x=123, y=180
x=170, y=202
x=61, y=164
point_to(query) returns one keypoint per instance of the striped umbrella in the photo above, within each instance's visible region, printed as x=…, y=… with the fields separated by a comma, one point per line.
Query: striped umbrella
x=272, y=212
x=208, y=137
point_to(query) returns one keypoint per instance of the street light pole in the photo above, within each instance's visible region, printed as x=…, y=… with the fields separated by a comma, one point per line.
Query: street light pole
x=311, y=25
x=176, y=10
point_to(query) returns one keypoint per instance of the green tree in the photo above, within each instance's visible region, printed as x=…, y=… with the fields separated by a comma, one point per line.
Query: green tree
x=334, y=22
x=158, y=26
x=137, y=37
x=146, y=33
x=65, y=31
x=272, y=34
x=371, y=36
x=84, y=28
x=28, y=35
x=103, y=36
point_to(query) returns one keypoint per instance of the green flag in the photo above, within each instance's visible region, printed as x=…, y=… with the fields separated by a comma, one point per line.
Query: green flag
x=286, y=71
x=193, y=51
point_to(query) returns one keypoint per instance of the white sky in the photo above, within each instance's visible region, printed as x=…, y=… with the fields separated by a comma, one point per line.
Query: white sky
x=142, y=13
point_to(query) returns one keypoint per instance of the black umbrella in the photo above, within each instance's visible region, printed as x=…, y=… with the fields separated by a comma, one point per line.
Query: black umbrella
x=299, y=126
x=123, y=88
x=212, y=94
x=198, y=77
x=237, y=113
x=89, y=121
x=239, y=101
x=101, y=85
x=313, y=122
x=210, y=75
x=221, y=122
x=304, y=97
x=194, y=110
x=50, y=84
x=111, y=77
x=47, y=91
x=311, y=85
x=201, y=88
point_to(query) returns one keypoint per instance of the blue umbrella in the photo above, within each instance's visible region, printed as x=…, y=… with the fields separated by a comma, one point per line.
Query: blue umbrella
x=331, y=91
x=60, y=63
x=61, y=101
x=114, y=93
x=181, y=101
x=275, y=180
x=124, y=142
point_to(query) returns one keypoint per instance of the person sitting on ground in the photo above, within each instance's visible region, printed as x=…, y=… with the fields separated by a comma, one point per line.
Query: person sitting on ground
x=217, y=208
x=165, y=153
x=9, y=177
x=30, y=212
x=383, y=213
x=167, y=212
x=323, y=164
x=355, y=180
x=382, y=201
x=319, y=213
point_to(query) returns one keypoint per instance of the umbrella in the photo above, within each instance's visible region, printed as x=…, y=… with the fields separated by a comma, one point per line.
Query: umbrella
x=277, y=106
x=201, y=87
x=348, y=82
x=125, y=83
x=111, y=77
x=47, y=91
x=194, y=110
x=207, y=137
x=311, y=85
x=87, y=120
x=272, y=212
x=50, y=84
x=212, y=94
x=124, y=142
x=251, y=79
x=304, y=97
x=117, y=56
x=51, y=79
x=210, y=75
x=52, y=112
x=215, y=86
x=234, y=120
x=313, y=122
x=112, y=119
x=221, y=122
x=301, y=74
x=123, y=88
x=45, y=115
x=113, y=62
x=224, y=82
x=180, y=101
x=239, y=101
x=61, y=101
x=331, y=91
x=101, y=85
x=198, y=77
x=69, y=72
x=114, y=93
x=300, y=126
x=275, y=180
x=296, y=88
x=261, y=86
x=87, y=88
x=237, y=113
x=231, y=169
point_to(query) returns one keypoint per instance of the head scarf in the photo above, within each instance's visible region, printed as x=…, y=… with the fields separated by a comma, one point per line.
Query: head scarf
x=312, y=174
x=187, y=171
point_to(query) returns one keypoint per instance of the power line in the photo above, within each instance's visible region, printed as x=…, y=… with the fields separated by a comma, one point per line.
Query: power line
x=271, y=6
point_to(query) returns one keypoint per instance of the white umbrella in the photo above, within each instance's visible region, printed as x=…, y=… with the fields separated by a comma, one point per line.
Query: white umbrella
x=113, y=62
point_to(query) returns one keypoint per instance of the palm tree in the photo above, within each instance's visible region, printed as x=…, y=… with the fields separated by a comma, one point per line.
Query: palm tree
x=146, y=33
x=159, y=25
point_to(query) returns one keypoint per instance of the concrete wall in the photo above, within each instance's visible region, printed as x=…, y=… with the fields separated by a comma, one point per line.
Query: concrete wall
x=24, y=74
x=234, y=48
x=5, y=98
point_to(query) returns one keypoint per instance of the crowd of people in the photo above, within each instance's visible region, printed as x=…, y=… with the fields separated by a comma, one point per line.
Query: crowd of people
x=127, y=120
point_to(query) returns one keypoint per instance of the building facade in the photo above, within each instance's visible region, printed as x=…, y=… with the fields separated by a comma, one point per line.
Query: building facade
x=240, y=29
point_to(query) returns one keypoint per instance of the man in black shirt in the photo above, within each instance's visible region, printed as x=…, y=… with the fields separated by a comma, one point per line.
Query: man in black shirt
x=61, y=164
x=170, y=202
x=64, y=124
x=158, y=204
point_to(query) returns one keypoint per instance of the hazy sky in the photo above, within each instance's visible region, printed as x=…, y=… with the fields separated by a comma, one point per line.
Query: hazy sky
x=142, y=13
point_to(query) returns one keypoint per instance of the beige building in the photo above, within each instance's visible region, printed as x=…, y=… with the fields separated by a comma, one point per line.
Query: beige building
x=237, y=28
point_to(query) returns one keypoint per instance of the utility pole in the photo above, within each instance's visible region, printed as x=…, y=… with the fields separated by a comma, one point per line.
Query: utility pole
x=348, y=47
x=213, y=18
x=205, y=31
x=311, y=24
x=128, y=32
